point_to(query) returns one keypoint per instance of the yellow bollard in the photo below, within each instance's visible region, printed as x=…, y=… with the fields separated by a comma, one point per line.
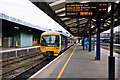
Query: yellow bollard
x=16, y=44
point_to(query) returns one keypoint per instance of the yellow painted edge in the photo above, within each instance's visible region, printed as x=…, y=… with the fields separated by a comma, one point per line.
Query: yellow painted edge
x=58, y=77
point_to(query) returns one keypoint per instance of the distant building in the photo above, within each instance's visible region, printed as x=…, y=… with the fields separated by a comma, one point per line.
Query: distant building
x=105, y=35
x=117, y=37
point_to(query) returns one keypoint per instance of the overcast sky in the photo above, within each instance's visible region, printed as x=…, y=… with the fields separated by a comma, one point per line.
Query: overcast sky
x=28, y=12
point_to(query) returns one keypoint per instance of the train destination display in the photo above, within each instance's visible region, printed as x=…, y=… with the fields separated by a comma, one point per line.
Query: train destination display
x=86, y=9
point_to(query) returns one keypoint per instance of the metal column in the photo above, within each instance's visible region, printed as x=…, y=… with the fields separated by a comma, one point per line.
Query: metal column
x=1, y=33
x=111, y=60
x=98, y=38
x=90, y=37
x=83, y=40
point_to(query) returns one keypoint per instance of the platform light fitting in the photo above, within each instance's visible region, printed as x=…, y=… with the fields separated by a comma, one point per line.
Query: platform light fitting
x=57, y=11
x=30, y=30
x=65, y=18
x=92, y=26
x=105, y=25
x=16, y=27
x=117, y=1
x=93, y=19
x=81, y=18
x=116, y=19
x=101, y=27
x=57, y=2
x=108, y=21
x=85, y=1
x=109, y=8
x=108, y=24
x=62, y=14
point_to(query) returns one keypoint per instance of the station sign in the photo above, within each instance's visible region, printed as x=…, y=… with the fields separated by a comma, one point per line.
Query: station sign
x=86, y=9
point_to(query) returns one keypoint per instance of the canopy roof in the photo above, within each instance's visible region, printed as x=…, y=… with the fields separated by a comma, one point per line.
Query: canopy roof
x=77, y=26
x=18, y=21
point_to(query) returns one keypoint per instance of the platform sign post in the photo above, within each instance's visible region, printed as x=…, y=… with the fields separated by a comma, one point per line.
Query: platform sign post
x=90, y=37
x=83, y=41
x=93, y=43
x=111, y=60
x=98, y=22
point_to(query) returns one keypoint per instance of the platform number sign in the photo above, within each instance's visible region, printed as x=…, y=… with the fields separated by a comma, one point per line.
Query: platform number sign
x=86, y=9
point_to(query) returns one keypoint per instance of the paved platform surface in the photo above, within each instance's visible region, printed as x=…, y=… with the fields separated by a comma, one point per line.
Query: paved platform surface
x=82, y=64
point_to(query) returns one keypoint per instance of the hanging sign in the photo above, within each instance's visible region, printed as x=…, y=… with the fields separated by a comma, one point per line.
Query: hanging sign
x=86, y=9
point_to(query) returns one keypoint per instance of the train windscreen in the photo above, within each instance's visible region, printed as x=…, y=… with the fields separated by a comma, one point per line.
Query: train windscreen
x=50, y=40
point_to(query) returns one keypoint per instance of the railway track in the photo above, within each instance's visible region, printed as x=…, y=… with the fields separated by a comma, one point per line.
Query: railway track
x=23, y=65
x=32, y=70
x=10, y=61
x=29, y=72
x=115, y=49
x=15, y=65
x=25, y=74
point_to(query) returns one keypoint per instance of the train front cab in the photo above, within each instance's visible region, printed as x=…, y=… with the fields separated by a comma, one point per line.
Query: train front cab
x=50, y=48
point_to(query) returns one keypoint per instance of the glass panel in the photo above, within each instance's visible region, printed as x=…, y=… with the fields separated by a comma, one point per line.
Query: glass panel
x=50, y=39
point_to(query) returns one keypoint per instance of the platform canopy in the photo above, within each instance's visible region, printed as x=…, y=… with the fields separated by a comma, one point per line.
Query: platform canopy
x=77, y=26
x=18, y=21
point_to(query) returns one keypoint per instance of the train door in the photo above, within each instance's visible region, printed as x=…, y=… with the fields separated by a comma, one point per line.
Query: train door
x=66, y=42
x=62, y=42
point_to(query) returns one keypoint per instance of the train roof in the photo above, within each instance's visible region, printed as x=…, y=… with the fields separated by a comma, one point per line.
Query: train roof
x=54, y=32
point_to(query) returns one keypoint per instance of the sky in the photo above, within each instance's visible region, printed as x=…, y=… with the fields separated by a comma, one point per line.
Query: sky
x=117, y=28
x=28, y=12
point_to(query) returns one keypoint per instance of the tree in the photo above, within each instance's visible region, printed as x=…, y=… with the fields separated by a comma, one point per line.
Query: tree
x=50, y=29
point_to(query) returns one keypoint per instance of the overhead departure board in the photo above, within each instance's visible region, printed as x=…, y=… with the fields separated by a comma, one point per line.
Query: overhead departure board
x=86, y=9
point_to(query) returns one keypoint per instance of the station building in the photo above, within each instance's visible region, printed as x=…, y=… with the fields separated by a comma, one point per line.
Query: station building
x=17, y=33
x=117, y=37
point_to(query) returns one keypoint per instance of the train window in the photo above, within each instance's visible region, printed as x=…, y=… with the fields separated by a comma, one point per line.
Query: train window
x=50, y=39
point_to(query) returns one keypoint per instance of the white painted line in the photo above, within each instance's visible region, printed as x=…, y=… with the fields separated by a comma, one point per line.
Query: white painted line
x=109, y=51
x=18, y=49
x=47, y=65
x=116, y=54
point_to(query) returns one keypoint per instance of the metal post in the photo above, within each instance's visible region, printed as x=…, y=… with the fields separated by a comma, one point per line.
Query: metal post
x=111, y=58
x=83, y=44
x=90, y=37
x=98, y=39
x=83, y=40
x=78, y=40
x=93, y=43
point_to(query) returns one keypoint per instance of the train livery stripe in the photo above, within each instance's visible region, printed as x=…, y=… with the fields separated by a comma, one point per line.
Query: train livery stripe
x=65, y=64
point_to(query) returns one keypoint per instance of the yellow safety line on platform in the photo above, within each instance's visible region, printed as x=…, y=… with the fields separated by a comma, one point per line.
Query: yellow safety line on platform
x=65, y=65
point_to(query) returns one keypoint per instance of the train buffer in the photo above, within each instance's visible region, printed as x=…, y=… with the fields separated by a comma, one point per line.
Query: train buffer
x=76, y=63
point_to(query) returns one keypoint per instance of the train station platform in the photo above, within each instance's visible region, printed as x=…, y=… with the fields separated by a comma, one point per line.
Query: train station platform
x=77, y=63
x=16, y=52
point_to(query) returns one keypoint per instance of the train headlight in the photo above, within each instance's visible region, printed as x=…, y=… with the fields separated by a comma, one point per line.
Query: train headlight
x=43, y=47
x=56, y=48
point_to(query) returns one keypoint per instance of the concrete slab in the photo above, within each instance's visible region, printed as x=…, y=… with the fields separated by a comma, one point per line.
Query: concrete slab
x=81, y=65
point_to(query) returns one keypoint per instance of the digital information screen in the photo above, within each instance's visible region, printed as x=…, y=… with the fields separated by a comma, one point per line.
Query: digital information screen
x=86, y=9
